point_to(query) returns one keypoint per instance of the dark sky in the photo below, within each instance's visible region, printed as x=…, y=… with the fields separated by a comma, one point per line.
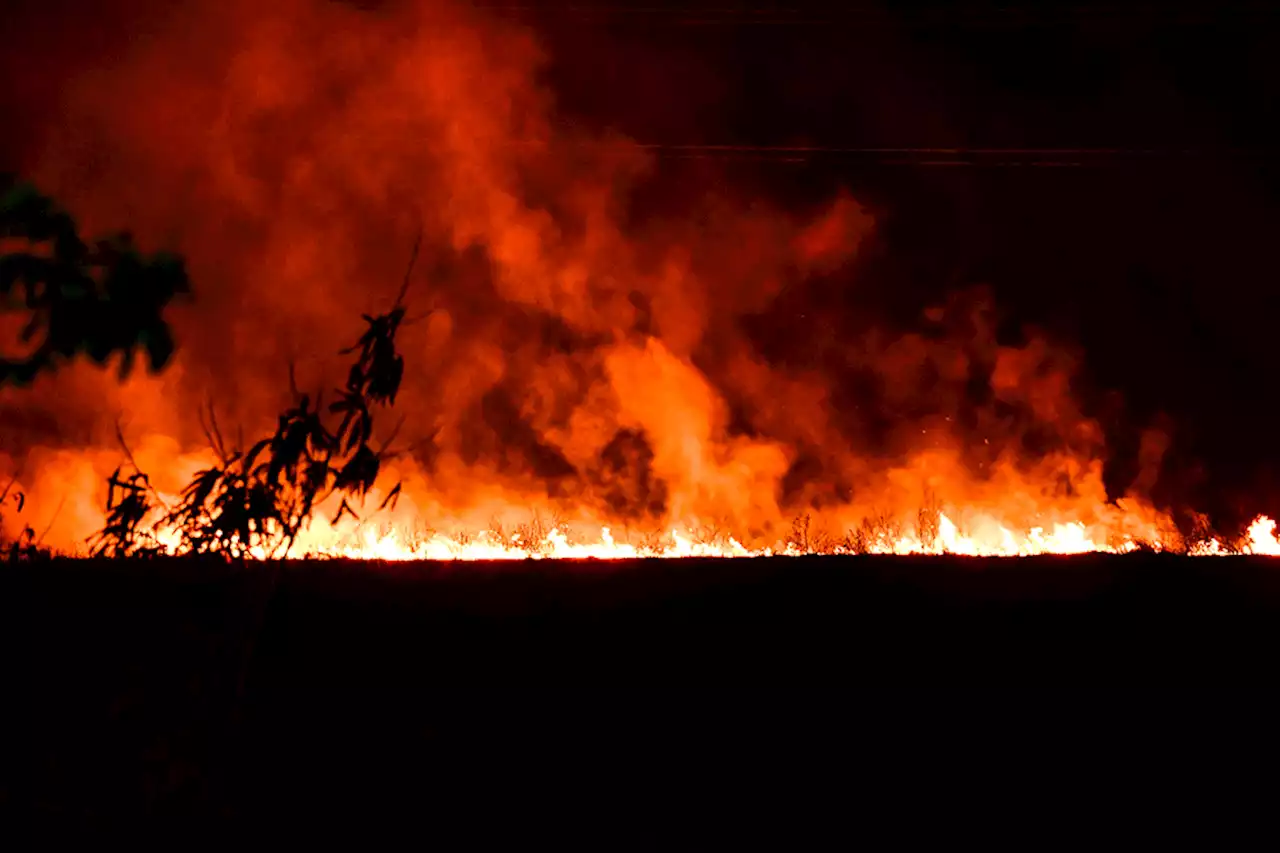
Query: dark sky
x=1155, y=253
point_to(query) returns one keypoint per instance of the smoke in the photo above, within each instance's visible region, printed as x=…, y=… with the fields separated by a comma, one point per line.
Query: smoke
x=571, y=350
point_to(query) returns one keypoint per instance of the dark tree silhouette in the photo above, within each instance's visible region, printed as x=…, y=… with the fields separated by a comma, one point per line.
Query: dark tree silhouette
x=95, y=299
x=258, y=500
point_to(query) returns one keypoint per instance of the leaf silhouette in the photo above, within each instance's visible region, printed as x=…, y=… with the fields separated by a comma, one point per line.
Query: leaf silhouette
x=392, y=498
x=345, y=509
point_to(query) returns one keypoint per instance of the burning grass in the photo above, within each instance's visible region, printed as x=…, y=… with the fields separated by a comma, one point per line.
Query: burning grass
x=302, y=492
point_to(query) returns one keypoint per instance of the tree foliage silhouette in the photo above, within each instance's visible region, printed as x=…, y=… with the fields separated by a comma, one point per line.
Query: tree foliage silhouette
x=255, y=502
x=129, y=503
x=94, y=299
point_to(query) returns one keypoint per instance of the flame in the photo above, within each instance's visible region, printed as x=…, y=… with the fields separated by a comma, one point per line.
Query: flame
x=406, y=538
x=1262, y=537
x=390, y=543
x=661, y=384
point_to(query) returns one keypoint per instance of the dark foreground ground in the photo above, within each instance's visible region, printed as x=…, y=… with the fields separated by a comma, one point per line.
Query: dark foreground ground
x=311, y=691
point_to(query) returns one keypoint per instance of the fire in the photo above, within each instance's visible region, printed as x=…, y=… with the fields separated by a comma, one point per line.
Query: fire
x=703, y=382
x=390, y=543
x=1262, y=537
x=374, y=543
x=406, y=533
x=405, y=538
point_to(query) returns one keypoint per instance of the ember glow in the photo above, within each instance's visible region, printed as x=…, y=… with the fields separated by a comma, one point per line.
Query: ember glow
x=584, y=378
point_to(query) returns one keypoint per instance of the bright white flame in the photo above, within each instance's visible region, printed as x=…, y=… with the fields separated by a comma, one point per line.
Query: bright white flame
x=990, y=540
x=1262, y=537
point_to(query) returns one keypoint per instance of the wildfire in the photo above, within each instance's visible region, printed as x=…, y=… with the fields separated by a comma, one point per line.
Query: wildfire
x=678, y=380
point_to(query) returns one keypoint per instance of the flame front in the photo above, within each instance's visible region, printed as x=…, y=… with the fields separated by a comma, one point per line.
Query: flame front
x=388, y=542
x=983, y=536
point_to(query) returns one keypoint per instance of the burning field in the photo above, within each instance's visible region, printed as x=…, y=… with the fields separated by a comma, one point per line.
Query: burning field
x=584, y=358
